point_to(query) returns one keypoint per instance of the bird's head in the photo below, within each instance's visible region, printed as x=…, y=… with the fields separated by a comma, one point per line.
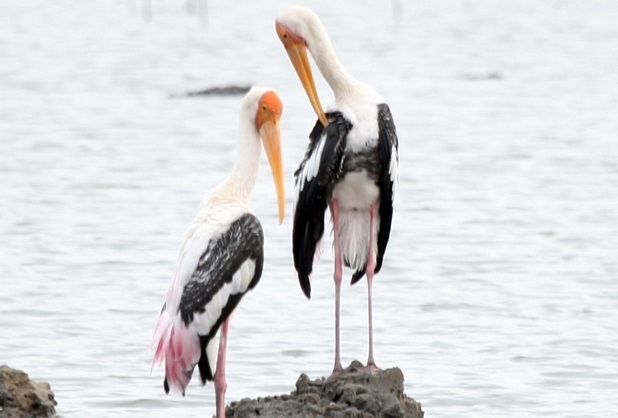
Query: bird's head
x=267, y=123
x=296, y=27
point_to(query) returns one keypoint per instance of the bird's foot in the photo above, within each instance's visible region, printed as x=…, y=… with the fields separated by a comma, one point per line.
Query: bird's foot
x=335, y=374
x=370, y=368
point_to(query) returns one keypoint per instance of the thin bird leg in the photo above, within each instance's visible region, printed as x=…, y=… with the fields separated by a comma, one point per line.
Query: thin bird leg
x=370, y=270
x=220, y=383
x=337, y=276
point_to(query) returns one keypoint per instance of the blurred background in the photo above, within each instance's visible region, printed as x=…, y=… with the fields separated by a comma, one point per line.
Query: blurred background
x=499, y=292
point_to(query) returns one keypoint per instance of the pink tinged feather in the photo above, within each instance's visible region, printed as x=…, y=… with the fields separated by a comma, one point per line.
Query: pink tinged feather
x=180, y=347
x=161, y=338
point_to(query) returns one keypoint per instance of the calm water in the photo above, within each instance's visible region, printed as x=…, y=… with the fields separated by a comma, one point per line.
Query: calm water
x=499, y=293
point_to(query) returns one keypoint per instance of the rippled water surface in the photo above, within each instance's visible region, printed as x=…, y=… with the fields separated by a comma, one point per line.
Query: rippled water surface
x=499, y=293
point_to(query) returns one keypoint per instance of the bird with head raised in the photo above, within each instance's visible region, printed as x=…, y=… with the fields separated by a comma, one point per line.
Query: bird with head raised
x=221, y=257
x=350, y=167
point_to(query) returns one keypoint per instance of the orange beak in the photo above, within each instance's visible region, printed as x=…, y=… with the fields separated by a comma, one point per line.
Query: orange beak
x=296, y=47
x=269, y=126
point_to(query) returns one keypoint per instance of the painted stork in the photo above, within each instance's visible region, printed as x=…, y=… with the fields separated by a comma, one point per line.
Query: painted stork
x=221, y=257
x=350, y=166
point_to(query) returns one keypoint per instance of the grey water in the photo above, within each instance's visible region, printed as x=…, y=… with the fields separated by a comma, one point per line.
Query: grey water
x=499, y=292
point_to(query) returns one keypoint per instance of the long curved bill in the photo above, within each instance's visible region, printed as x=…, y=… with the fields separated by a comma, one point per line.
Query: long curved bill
x=296, y=48
x=270, y=132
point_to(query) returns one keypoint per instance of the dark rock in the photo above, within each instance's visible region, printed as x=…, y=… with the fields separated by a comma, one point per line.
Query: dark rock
x=391, y=407
x=367, y=403
x=312, y=410
x=348, y=395
x=311, y=398
x=353, y=394
x=21, y=397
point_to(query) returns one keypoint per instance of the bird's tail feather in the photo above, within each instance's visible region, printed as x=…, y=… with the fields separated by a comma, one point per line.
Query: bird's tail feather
x=179, y=346
x=357, y=276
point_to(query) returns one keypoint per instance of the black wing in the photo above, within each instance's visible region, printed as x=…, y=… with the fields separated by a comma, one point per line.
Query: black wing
x=315, y=179
x=225, y=254
x=388, y=149
x=389, y=156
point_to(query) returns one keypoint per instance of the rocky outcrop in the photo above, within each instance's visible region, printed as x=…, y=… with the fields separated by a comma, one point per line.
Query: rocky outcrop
x=352, y=394
x=21, y=397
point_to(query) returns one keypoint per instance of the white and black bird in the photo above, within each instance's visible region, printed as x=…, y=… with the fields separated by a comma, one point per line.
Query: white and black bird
x=221, y=258
x=350, y=166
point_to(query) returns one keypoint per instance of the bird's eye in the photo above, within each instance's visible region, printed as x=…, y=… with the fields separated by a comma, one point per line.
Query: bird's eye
x=264, y=108
x=285, y=36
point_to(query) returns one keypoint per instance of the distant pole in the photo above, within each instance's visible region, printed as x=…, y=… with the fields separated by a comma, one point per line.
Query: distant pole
x=397, y=10
x=202, y=12
x=147, y=10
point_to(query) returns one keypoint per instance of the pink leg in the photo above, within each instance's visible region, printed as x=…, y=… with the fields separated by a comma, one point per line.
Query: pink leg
x=337, y=276
x=220, y=383
x=370, y=269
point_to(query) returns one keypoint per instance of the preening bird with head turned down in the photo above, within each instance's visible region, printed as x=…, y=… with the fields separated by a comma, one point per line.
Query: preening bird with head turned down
x=350, y=167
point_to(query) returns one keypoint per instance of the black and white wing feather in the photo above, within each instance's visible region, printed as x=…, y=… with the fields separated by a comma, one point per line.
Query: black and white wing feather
x=231, y=265
x=315, y=177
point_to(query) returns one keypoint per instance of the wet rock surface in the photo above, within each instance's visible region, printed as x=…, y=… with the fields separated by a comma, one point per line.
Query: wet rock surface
x=21, y=397
x=352, y=394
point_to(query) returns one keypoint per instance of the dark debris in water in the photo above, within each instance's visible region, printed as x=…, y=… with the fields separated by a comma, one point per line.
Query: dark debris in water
x=216, y=91
x=352, y=394
x=492, y=75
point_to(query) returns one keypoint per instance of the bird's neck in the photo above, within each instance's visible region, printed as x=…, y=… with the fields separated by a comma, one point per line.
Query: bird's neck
x=241, y=181
x=339, y=80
